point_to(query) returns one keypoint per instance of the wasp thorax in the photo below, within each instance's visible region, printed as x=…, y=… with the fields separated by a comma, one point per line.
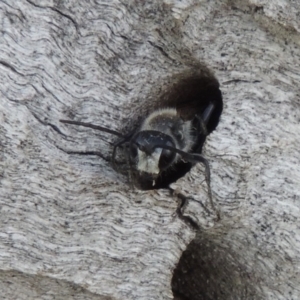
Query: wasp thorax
x=170, y=123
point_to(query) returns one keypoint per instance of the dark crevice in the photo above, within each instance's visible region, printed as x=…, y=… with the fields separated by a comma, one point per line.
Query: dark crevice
x=161, y=50
x=65, y=15
x=54, y=127
x=51, y=93
x=57, y=11
x=240, y=80
x=258, y=9
x=7, y=65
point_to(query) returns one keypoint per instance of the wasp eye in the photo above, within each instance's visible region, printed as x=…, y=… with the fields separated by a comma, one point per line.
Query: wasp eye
x=166, y=158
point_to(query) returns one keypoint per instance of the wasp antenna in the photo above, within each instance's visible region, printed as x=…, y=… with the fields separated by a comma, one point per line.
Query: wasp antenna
x=97, y=127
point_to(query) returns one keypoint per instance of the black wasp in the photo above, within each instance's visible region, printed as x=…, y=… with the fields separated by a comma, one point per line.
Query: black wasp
x=170, y=139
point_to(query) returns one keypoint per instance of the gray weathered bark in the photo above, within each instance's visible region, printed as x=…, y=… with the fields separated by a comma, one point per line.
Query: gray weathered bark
x=71, y=227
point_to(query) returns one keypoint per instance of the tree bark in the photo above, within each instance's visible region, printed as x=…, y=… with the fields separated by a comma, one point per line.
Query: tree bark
x=71, y=227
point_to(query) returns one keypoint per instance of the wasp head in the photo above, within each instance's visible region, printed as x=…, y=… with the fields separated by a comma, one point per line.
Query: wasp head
x=148, y=154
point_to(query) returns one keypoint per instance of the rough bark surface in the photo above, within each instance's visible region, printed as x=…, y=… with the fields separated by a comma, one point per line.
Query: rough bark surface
x=71, y=227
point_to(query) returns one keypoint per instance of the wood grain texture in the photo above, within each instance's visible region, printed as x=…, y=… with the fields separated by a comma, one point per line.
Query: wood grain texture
x=70, y=226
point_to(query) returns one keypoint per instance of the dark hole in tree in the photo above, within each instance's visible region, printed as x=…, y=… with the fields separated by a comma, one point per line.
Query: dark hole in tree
x=190, y=94
x=195, y=95
x=210, y=270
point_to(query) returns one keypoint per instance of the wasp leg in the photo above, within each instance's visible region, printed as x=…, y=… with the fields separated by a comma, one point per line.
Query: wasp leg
x=194, y=157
